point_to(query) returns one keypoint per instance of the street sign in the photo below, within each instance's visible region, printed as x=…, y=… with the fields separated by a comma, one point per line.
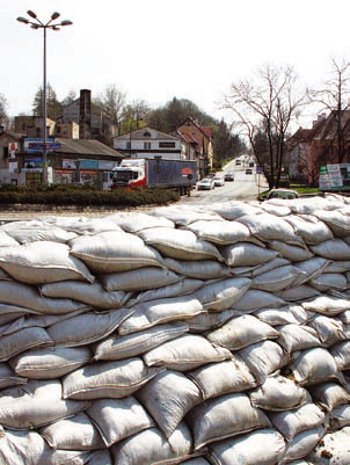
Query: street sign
x=259, y=170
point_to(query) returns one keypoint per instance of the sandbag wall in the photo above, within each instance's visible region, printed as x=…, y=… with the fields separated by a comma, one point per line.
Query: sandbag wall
x=197, y=336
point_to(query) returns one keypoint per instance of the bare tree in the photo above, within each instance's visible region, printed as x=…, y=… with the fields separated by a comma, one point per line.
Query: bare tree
x=4, y=119
x=334, y=96
x=267, y=102
x=112, y=100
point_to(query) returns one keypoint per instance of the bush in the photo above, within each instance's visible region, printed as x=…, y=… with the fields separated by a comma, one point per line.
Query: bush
x=84, y=196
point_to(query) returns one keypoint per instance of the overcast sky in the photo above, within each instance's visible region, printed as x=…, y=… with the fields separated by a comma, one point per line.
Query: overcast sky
x=157, y=49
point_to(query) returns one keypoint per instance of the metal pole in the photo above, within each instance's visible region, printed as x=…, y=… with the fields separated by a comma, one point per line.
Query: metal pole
x=45, y=177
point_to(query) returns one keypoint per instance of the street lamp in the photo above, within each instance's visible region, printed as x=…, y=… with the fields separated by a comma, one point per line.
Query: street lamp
x=36, y=23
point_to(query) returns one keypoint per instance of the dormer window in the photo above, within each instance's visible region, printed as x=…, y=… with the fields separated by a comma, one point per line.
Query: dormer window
x=147, y=134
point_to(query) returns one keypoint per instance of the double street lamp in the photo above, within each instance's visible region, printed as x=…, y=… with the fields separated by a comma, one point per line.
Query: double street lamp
x=36, y=23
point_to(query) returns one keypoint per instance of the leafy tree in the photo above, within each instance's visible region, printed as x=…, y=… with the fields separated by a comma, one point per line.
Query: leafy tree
x=54, y=107
x=226, y=145
x=4, y=119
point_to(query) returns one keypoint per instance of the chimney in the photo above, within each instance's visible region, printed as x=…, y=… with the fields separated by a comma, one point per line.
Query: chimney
x=85, y=114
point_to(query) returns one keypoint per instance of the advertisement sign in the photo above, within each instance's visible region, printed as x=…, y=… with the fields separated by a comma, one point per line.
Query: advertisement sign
x=89, y=164
x=36, y=145
x=12, y=149
x=335, y=177
x=32, y=163
x=69, y=164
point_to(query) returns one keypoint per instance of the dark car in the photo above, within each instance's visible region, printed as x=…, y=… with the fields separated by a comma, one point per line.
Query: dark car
x=249, y=171
x=229, y=177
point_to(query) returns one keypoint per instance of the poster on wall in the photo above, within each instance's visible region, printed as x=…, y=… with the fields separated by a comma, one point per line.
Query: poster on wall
x=335, y=177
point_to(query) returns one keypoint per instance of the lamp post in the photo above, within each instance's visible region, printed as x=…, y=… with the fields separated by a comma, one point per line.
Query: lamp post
x=36, y=23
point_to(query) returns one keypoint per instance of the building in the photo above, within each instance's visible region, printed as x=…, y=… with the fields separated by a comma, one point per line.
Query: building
x=32, y=126
x=10, y=146
x=200, y=139
x=150, y=143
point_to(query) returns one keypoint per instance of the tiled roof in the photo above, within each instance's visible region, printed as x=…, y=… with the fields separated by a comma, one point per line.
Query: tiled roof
x=86, y=147
x=139, y=134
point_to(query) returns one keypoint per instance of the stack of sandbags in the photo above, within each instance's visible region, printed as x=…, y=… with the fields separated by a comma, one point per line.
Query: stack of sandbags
x=197, y=336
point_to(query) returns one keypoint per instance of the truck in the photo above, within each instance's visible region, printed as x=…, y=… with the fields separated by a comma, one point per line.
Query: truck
x=155, y=172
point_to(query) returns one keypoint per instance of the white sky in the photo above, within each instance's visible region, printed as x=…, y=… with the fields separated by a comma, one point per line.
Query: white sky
x=157, y=49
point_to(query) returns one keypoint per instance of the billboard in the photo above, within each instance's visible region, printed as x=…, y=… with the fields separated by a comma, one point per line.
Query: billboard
x=36, y=145
x=335, y=177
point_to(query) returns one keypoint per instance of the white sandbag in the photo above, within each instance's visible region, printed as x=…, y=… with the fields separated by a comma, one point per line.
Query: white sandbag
x=334, y=249
x=314, y=366
x=341, y=354
x=241, y=332
x=133, y=222
x=344, y=317
x=122, y=347
x=234, y=210
x=204, y=269
x=184, y=287
x=117, y=419
x=76, y=433
x=43, y=262
x=338, y=267
x=310, y=228
x=156, y=312
x=224, y=417
x=277, y=210
x=115, y=379
x=185, y=353
x=222, y=378
x=151, y=447
x=336, y=220
x=297, y=337
x=139, y=280
x=312, y=268
x=334, y=449
x=22, y=340
x=328, y=281
x=293, y=422
x=290, y=314
x=220, y=232
x=247, y=254
x=278, y=394
x=254, y=299
x=268, y=227
x=25, y=296
x=168, y=397
x=8, y=378
x=208, y=321
x=339, y=417
x=299, y=293
x=50, y=363
x=100, y=457
x=113, y=252
x=329, y=330
x=264, y=358
x=36, y=230
x=6, y=240
x=261, y=447
x=301, y=445
x=196, y=461
x=329, y=395
x=92, y=327
x=37, y=403
x=83, y=225
x=180, y=244
x=269, y=266
x=222, y=295
x=89, y=294
x=183, y=216
x=329, y=306
x=29, y=448
x=277, y=279
x=291, y=252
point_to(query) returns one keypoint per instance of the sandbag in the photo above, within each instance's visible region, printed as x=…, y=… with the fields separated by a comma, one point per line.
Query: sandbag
x=241, y=332
x=333, y=249
x=329, y=330
x=156, y=312
x=312, y=268
x=117, y=419
x=314, y=366
x=36, y=230
x=278, y=394
x=133, y=222
x=329, y=395
x=261, y=447
x=113, y=252
x=299, y=293
x=329, y=281
x=254, y=299
x=23, y=340
x=301, y=445
x=291, y=252
x=224, y=417
x=115, y=379
x=168, y=397
x=247, y=254
x=220, y=232
x=310, y=228
x=217, y=379
x=76, y=433
x=180, y=244
x=341, y=354
x=290, y=314
x=207, y=321
x=50, y=363
x=150, y=447
x=6, y=240
x=297, y=337
x=122, y=347
x=234, y=210
x=333, y=450
x=43, y=262
x=8, y=378
x=340, y=417
x=204, y=269
x=277, y=279
x=338, y=222
x=185, y=353
x=36, y=404
x=330, y=306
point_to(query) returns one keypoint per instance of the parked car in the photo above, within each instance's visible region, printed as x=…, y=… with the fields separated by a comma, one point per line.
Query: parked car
x=205, y=184
x=218, y=181
x=251, y=164
x=229, y=176
x=249, y=171
x=282, y=194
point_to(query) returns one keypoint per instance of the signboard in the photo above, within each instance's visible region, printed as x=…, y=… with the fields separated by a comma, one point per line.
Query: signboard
x=13, y=167
x=34, y=162
x=335, y=177
x=36, y=145
x=259, y=170
x=88, y=164
x=69, y=165
x=12, y=149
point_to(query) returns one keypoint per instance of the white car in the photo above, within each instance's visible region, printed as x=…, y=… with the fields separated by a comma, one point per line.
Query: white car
x=205, y=184
x=219, y=181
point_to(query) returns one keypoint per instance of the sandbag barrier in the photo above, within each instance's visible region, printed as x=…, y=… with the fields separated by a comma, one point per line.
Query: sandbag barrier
x=217, y=336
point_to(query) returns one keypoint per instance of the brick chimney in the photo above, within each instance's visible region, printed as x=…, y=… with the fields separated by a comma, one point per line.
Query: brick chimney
x=85, y=114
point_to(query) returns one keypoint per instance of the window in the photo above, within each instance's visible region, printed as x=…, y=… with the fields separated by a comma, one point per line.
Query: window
x=146, y=134
x=164, y=145
x=128, y=145
x=147, y=145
